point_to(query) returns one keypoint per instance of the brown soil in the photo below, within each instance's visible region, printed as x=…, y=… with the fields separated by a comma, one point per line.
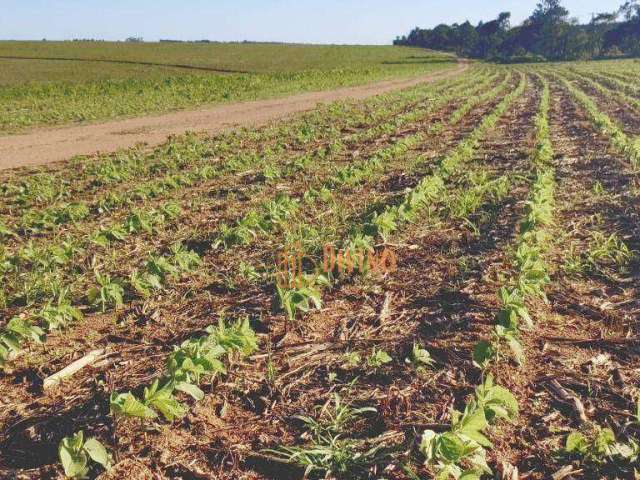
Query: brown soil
x=44, y=146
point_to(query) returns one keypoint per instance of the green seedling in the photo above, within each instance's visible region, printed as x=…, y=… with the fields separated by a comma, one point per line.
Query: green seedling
x=76, y=455
x=109, y=293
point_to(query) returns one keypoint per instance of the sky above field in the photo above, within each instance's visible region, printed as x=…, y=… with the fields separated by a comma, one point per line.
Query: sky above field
x=326, y=21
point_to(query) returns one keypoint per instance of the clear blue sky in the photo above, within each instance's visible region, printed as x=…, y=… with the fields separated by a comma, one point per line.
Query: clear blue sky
x=317, y=21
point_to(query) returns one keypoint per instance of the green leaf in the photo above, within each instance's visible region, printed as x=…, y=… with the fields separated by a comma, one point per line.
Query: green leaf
x=93, y=295
x=516, y=348
x=576, y=443
x=11, y=340
x=483, y=352
x=190, y=389
x=604, y=441
x=127, y=405
x=451, y=447
x=75, y=464
x=427, y=444
x=473, y=421
x=163, y=400
x=470, y=475
x=479, y=460
x=98, y=453
x=449, y=471
x=378, y=358
x=472, y=424
x=74, y=460
x=420, y=356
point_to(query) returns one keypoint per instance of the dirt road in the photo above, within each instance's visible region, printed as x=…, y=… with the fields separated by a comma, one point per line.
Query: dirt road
x=41, y=146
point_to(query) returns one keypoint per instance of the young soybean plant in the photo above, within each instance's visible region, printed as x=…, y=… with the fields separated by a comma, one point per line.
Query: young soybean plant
x=293, y=299
x=15, y=334
x=596, y=447
x=110, y=292
x=461, y=452
x=76, y=455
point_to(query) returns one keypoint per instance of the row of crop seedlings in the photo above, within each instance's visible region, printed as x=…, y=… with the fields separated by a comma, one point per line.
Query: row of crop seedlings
x=610, y=88
x=200, y=358
x=623, y=75
x=192, y=153
x=606, y=92
x=612, y=82
x=461, y=451
x=110, y=292
x=334, y=144
x=53, y=217
x=618, y=139
x=133, y=164
x=251, y=226
x=189, y=154
x=157, y=273
x=381, y=225
x=289, y=173
x=480, y=80
x=593, y=443
x=34, y=221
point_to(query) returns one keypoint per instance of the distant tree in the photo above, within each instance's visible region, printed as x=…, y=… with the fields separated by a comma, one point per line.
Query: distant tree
x=467, y=39
x=491, y=35
x=549, y=12
x=134, y=40
x=548, y=33
x=547, y=29
x=625, y=35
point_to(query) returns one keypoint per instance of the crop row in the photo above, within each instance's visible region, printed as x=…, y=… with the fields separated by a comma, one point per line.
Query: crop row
x=619, y=140
x=383, y=223
x=242, y=162
x=380, y=224
x=611, y=87
x=138, y=221
x=461, y=451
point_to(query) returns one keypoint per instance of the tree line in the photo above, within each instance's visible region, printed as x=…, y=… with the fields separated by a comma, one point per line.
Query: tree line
x=548, y=34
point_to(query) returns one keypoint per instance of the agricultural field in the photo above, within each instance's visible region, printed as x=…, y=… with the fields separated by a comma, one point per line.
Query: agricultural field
x=54, y=83
x=439, y=282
